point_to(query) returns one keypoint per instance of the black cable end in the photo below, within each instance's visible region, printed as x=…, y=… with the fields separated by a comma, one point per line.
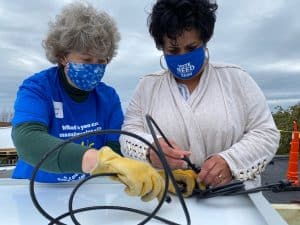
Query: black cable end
x=168, y=199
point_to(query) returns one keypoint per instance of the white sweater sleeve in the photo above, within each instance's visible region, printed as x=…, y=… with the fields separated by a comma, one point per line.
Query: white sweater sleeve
x=248, y=157
x=135, y=122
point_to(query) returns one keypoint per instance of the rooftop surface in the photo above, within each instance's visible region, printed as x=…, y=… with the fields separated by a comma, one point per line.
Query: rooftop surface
x=275, y=172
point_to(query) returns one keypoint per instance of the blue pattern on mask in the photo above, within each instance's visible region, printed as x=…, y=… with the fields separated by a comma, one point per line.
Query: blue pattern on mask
x=187, y=65
x=86, y=77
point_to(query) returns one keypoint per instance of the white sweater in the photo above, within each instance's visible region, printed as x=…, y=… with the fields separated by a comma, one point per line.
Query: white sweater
x=226, y=114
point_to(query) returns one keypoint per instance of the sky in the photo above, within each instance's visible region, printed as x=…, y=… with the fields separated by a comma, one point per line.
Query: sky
x=262, y=36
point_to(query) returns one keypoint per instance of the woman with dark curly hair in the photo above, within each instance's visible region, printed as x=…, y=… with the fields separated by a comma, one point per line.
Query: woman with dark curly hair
x=215, y=114
x=71, y=99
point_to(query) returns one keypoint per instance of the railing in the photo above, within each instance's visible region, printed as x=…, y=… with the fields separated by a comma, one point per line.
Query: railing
x=8, y=157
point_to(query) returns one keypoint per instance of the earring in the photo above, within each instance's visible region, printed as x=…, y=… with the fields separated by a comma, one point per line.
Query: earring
x=207, y=56
x=161, y=64
x=207, y=53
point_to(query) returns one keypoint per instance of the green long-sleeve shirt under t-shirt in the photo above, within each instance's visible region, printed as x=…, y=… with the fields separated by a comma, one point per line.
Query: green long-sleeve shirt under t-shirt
x=33, y=141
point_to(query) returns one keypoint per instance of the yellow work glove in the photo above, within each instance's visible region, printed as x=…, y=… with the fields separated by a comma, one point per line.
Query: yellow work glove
x=140, y=178
x=186, y=179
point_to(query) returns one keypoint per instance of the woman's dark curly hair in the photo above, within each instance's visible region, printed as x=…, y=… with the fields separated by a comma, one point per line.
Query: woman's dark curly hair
x=172, y=17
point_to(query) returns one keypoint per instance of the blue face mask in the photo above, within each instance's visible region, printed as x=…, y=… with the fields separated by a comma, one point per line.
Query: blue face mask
x=188, y=65
x=85, y=76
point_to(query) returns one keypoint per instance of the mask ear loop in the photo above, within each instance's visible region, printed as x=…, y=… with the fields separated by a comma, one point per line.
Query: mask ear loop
x=62, y=61
x=66, y=66
x=161, y=64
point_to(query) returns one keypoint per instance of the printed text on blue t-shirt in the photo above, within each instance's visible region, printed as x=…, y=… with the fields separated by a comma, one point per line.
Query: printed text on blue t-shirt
x=73, y=130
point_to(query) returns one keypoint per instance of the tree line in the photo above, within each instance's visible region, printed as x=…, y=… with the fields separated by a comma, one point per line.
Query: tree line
x=6, y=115
x=284, y=121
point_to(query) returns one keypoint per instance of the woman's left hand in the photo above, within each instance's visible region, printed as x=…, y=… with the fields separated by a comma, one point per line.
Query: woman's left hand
x=214, y=172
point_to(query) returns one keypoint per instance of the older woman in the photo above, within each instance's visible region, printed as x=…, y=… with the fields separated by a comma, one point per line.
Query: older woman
x=215, y=114
x=70, y=99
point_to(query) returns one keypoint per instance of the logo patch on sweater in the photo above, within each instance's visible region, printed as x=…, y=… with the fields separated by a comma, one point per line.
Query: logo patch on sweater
x=58, y=110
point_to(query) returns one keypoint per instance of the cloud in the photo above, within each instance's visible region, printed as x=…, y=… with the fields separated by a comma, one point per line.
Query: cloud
x=284, y=65
x=262, y=36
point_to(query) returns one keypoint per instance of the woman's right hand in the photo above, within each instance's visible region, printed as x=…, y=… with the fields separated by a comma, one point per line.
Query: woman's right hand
x=173, y=155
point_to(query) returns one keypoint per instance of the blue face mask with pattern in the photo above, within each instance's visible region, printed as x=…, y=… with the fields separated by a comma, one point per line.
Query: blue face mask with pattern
x=86, y=77
x=186, y=66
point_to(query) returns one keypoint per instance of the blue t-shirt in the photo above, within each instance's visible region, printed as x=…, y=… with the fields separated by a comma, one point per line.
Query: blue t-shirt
x=42, y=98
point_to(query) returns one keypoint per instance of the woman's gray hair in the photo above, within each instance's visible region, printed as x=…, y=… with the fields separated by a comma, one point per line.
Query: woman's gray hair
x=81, y=28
